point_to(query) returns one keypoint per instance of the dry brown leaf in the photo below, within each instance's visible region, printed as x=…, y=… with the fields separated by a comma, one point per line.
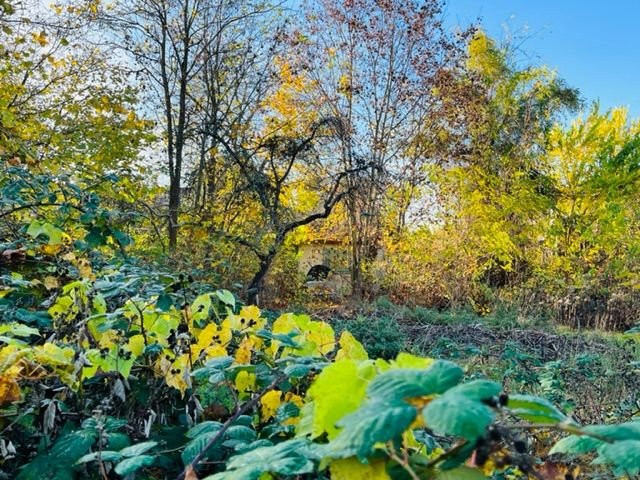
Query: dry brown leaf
x=190, y=473
x=9, y=390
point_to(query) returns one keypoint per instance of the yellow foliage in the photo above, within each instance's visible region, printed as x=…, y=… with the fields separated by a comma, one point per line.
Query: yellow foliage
x=245, y=382
x=350, y=348
x=136, y=345
x=352, y=469
x=270, y=403
x=9, y=390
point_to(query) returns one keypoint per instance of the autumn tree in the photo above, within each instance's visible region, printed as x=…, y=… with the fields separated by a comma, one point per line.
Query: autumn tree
x=375, y=65
x=176, y=48
x=500, y=184
x=67, y=108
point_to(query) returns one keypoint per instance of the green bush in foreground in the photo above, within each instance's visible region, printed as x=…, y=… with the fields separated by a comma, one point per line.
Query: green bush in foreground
x=149, y=385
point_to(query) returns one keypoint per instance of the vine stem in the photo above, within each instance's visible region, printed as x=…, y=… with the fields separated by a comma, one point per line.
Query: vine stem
x=403, y=462
x=241, y=411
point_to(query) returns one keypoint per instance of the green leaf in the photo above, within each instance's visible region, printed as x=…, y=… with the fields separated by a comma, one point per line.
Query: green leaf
x=399, y=384
x=241, y=432
x=137, y=449
x=201, y=307
x=53, y=233
x=94, y=237
x=131, y=465
x=195, y=446
x=377, y=421
x=204, y=427
x=18, y=330
x=291, y=457
x=623, y=455
x=118, y=441
x=164, y=302
x=226, y=297
x=575, y=444
x=105, y=456
x=534, y=409
x=454, y=414
x=477, y=390
x=73, y=445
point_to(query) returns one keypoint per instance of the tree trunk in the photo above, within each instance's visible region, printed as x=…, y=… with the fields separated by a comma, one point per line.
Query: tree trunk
x=174, y=207
x=257, y=282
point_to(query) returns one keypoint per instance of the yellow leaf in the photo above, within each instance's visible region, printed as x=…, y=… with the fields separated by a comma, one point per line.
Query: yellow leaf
x=243, y=353
x=245, y=382
x=247, y=320
x=178, y=376
x=9, y=390
x=351, y=469
x=50, y=282
x=51, y=354
x=297, y=400
x=270, y=403
x=215, y=351
x=322, y=335
x=51, y=249
x=350, y=348
x=136, y=345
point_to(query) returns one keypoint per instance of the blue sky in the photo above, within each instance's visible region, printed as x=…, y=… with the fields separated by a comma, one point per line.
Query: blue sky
x=593, y=44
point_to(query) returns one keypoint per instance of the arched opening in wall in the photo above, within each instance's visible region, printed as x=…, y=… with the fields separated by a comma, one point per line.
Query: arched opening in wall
x=318, y=272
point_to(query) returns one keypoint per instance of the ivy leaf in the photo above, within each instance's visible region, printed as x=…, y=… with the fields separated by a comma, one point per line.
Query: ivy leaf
x=457, y=415
x=131, y=465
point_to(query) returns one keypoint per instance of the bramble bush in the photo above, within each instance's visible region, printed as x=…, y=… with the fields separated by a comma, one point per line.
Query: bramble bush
x=110, y=368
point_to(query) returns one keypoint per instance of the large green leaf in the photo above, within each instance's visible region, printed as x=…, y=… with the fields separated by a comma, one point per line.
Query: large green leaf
x=74, y=445
x=534, y=409
x=457, y=415
x=204, y=427
x=106, y=456
x=288, y=458
x=623, y=455
x=574, y=444
x=195, y=446
x=395, y=385
x=131, y=465
x=477, y=390
x=578, y=444
x=137, y=449
x=376, y=421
